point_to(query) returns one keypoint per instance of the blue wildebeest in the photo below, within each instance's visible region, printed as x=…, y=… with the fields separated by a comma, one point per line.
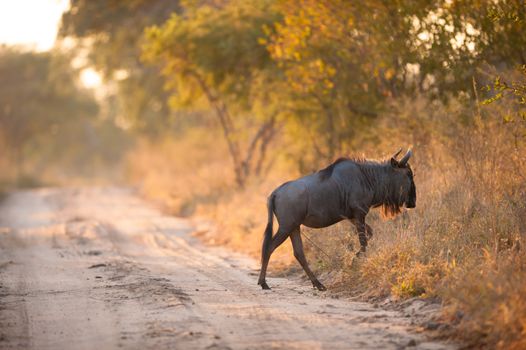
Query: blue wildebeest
x=346, y=189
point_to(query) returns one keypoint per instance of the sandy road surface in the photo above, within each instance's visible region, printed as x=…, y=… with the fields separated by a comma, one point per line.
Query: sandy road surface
x=98, y=268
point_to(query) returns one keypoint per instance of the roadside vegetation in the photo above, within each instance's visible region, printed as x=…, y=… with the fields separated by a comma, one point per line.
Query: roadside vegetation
x=209, y=105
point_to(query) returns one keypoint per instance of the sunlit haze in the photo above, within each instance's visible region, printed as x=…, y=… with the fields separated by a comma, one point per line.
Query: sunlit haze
x=90, y=78
x=32, y=23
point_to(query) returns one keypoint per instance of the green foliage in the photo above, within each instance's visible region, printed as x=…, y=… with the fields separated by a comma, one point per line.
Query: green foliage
x=514, y=92
x=337, y=63
x=217, y=47
x=508, y=22
x=345, y=61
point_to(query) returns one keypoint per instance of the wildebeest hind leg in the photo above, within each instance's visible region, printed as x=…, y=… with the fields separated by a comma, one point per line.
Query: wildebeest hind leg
x=297, y=245
x=277, y=240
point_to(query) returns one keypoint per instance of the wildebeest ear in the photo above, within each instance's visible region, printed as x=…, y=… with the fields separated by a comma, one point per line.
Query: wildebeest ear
x=394, y=162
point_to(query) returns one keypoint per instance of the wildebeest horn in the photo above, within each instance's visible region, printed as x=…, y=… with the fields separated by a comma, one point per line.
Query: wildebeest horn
x=396, y=154
x=404, y=160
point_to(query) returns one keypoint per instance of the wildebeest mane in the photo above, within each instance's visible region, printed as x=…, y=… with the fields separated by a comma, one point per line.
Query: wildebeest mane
x=373, y=171
x=326, y=173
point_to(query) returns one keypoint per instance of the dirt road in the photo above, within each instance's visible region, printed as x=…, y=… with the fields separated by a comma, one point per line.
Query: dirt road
x=98, y=268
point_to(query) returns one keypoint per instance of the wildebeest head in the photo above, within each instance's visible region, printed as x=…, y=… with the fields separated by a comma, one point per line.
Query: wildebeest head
x=404, y=179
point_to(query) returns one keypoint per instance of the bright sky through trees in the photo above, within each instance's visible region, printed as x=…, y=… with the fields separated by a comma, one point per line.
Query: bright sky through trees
x=32, y=23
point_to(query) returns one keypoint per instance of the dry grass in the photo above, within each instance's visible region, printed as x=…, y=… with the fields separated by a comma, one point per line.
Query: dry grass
x=182, y=172
x=464, y=243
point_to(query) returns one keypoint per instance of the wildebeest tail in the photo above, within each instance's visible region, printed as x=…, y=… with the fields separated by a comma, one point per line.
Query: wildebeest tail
x=269, y=229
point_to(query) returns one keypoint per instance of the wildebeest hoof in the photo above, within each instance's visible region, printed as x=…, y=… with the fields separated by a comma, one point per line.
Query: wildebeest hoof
x=264, y=285
x=319, y=286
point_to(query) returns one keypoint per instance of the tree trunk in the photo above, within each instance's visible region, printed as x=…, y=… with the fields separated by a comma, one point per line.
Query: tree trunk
x=265, y=141
x=263, y=136
x=243, y=166
x=226, y=125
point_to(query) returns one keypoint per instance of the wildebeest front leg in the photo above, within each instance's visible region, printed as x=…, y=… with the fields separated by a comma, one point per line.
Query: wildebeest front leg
x=361, y=226
x=297, y=245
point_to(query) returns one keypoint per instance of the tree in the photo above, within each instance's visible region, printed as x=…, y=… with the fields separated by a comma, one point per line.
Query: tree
x=343, y=60
x=212, y=58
